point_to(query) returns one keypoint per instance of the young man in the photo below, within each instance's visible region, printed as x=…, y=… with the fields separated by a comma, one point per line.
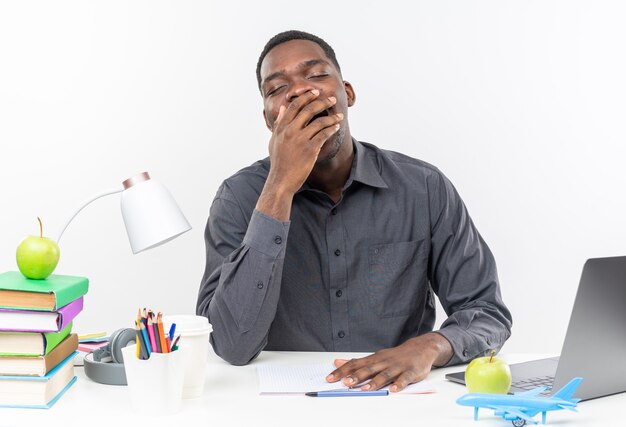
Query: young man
x=332, y=244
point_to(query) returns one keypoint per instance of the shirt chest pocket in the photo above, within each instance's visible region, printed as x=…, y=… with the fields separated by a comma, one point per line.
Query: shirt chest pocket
x=397, y=279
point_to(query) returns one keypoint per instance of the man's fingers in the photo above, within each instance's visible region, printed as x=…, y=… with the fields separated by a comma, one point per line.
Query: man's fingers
x=406, y=378
x=312, y=108
x=281, y=111
x=363, y=374
x=344, y=369
x=294, y=107
x=323, y=135
x=384, y=377
x=322, y=123
x=339, y=362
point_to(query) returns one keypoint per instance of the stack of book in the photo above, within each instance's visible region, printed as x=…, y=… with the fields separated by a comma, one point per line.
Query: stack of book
x=37, y=346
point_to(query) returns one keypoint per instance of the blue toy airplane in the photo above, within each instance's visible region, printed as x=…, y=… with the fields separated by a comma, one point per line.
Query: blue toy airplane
x=522, y=407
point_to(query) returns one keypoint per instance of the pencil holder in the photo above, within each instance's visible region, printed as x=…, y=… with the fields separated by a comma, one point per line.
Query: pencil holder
x=156, y=384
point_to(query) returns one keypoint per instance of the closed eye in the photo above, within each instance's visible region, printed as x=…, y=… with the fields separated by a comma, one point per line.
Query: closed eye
x=273, y=91
x=317, y=76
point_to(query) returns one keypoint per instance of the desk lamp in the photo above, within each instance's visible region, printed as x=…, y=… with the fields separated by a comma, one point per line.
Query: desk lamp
x=150, y=213
x=152, y=218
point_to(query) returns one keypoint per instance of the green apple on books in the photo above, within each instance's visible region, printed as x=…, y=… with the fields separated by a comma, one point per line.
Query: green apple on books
x=37, y=256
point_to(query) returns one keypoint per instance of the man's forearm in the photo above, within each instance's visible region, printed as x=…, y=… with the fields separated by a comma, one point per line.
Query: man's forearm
x=485, y=327
x=239, y=293
x=241, y=323
x=275, y=201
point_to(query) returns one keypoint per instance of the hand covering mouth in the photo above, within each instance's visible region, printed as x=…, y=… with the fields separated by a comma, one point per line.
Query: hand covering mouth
x=318, y=115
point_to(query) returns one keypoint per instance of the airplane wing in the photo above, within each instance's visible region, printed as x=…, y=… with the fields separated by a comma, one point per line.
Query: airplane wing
x=509, y=413
x=534, y=392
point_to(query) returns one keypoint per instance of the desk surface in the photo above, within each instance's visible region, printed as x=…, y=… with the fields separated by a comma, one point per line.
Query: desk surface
x=231, y=399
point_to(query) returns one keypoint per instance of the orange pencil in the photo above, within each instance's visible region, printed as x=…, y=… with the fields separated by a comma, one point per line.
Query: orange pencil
x=161, y=334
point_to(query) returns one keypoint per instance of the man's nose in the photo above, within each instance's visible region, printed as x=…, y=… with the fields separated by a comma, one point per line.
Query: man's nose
x=298, y=89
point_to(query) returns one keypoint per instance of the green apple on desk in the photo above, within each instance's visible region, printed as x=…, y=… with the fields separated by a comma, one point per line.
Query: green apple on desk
x=37, y=256
x=488, y=375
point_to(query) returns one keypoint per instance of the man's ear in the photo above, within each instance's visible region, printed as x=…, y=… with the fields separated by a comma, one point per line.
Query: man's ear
x=350, y=92
x=267, y=123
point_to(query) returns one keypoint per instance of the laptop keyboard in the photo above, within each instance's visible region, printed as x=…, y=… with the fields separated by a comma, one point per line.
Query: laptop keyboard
x=531, y=383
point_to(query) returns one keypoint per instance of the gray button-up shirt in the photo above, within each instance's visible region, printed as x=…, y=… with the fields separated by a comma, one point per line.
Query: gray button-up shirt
x=358, y=275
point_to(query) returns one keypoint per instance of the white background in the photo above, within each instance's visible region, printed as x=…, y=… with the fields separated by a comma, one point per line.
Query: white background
x=520, y=104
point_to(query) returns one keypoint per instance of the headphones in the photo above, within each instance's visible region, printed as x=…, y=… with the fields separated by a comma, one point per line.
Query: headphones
x=105, y=365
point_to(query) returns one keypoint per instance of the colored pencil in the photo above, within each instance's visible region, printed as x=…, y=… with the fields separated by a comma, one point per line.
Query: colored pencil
x=175, y=343
x=164, y=347
x=141, y=345
x=151, y=335
x=139, y=353
x=146, y=341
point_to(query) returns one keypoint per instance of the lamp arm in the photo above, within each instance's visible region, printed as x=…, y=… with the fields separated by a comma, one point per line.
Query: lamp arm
x=114, y=190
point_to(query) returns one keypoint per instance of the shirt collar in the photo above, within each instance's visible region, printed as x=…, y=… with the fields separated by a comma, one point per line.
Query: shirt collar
x=364, y=169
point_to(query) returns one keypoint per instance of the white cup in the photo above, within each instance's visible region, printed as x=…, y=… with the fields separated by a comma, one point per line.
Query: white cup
x=155, y=384
x=194, y=344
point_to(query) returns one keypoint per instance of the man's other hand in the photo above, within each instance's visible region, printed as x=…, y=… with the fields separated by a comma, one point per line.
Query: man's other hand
x=399, y=366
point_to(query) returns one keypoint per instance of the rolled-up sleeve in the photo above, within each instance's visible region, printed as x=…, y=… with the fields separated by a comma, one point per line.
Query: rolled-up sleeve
x=241, y=284
x=462, y=272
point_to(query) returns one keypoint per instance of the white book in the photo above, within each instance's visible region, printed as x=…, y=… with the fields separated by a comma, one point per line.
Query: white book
x=37, y=392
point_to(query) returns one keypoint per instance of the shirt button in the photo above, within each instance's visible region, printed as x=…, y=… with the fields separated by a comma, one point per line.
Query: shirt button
x=376, y=250
x=333, y=211
x=337, y=252
x=339, y=293
x=278, y=240
x=259, y=284
x=341, y=334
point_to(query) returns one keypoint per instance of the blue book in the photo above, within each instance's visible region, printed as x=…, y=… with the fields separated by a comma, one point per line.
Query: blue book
x=37, y=392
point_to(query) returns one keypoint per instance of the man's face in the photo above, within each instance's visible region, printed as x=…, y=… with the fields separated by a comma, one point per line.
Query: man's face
x=296, y=67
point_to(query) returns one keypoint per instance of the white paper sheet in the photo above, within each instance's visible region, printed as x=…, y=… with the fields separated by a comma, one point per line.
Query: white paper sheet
x=275, y=378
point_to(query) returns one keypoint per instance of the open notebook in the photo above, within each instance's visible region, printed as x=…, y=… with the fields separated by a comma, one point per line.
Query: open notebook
x=300, y=379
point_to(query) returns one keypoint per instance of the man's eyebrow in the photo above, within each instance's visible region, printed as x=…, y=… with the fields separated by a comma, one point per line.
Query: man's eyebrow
x=306, y=64
x=312, y=62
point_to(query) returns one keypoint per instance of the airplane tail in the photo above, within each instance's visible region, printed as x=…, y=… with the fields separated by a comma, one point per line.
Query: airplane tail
x=568, y=390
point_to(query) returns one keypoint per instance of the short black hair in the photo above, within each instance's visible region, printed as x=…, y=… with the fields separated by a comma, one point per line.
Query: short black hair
x=294, y=35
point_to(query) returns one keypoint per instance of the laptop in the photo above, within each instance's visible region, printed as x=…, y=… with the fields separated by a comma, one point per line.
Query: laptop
x=595, y=343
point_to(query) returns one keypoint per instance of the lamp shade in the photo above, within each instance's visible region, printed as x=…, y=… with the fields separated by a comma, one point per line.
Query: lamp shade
x=150, y=213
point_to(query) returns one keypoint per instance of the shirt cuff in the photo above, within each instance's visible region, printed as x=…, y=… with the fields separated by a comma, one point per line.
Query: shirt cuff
x=463, y=344
x=267, y=235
